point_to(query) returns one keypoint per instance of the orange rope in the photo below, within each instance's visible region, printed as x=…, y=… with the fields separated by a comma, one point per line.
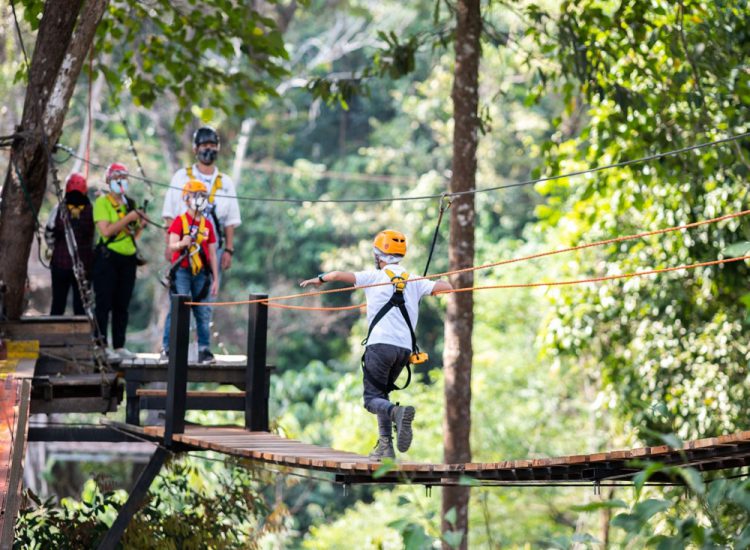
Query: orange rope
x=311, y=308
x=485, y=266
x=596, y=279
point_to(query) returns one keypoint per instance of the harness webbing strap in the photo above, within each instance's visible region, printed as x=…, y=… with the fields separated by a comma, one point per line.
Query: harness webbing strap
x=121, y=210
x=397, y=300
x=195, y=254
x=217, y=184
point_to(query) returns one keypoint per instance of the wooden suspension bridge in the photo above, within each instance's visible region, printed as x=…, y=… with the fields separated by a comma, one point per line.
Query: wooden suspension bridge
x=53, y=373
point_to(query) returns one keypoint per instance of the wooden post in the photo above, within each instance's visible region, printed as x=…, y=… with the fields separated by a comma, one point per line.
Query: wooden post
x=179, y=339
x=256, y=379
x=132, y=403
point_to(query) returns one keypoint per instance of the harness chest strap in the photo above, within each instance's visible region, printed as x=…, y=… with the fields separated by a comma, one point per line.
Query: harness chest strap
x=125, y=233
x=194, y=252
x=217, y=184
x=397, y=300
x=214, y=188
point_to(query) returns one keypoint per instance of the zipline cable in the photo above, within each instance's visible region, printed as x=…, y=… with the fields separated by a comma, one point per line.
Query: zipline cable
x=620, y=164
x=123, y=121
x=493, y=264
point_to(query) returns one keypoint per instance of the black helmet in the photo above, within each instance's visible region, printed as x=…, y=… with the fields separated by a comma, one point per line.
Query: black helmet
x=205, y=134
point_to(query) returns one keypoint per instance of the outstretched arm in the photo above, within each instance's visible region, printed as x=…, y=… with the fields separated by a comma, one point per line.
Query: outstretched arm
x=441, y=286
x=331, y=276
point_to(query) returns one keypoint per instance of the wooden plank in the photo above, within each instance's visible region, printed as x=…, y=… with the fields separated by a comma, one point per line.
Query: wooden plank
x=12, y=496
x=163, y=393
x=273, y=449
x=78, y=379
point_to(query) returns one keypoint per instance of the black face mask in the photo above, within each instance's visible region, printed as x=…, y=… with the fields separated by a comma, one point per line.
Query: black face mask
x=76, y=198
x=207, y=156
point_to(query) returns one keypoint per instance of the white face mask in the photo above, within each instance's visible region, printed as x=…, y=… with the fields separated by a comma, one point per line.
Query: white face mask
x=119, y=186
x=196, y=202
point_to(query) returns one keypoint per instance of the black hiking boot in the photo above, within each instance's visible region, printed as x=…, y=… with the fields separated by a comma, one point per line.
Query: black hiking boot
x=383, y=449
x=402, y=418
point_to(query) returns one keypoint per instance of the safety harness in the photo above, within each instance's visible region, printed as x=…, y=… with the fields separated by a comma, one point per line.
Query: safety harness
x=121, y=210
x=195, y=252
x=125, y=233
x=398, y=301
x=217, y=184
x=195, y=255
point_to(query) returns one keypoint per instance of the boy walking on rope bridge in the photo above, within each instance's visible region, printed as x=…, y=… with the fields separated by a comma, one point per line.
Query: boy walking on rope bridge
x=195, y=270
x=391, y=343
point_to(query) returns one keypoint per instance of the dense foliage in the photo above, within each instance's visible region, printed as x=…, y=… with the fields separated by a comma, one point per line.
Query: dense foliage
x=639, y=80
x=194, y=504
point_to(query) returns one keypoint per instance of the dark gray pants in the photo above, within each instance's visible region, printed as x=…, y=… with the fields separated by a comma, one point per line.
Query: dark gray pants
x=383, y=363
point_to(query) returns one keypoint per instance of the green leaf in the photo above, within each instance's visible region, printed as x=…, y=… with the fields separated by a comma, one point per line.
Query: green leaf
x=671, y=440
x=450, y=516
x=630, y=523
x=737, y=250
x=650, y=507
x=740, y=495
x=453, y=538
x=663, y=542
x=743, y=541
x=594, y=506
x=415, y=538
x=693, y=480
x=386, y=467
x=644, y=475
x=717, y=492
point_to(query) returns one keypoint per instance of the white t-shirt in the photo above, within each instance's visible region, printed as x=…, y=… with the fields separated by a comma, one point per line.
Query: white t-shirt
x=392, y=328
x=225, y=200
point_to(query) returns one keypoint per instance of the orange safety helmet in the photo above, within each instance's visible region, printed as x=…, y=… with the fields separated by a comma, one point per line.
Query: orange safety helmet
x=75, y=182
x=193, y=186
x=390, y=242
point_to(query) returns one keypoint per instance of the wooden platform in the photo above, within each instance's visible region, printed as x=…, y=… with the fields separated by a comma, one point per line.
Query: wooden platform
x=728, y=451
x=15, y=393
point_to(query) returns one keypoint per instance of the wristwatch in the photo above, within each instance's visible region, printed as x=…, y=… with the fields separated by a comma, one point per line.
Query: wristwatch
x=229, y=251
x=320, y=277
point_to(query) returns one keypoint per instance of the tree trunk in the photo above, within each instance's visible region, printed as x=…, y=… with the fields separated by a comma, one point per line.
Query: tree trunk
x=59, y=53
x=458, y=353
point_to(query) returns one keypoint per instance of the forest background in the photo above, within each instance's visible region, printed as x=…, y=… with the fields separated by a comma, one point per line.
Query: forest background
x=557, y=370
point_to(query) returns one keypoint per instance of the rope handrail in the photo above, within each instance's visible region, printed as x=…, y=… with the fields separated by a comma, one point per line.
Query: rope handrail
x=533, y=285
x=313, y=308
x=604, y=242
x=598, y=279
x=621, y=164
